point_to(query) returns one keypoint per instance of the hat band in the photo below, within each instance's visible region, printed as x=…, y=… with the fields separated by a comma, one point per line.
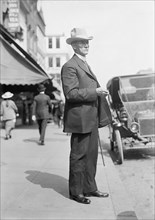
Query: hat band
x=81, y=36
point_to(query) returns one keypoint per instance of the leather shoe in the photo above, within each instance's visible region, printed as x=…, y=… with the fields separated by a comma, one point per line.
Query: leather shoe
x=81, y=199
x=96, y=194
x=41, y=143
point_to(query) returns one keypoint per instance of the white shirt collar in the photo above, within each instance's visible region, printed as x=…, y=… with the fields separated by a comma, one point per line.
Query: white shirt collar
x=81, y=57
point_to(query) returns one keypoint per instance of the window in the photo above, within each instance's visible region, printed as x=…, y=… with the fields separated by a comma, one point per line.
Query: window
x=50, y=62
x=57, y=42
x=57, y=62
x=50, y=43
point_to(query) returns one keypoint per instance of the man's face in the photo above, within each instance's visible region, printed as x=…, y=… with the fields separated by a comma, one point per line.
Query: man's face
x=81, y=47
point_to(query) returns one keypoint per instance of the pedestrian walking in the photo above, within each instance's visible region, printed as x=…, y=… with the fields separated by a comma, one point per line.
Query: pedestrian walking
x=9, y=111
x=81, y=118
x=58, y=110
x=41, y=106
x=60, y=113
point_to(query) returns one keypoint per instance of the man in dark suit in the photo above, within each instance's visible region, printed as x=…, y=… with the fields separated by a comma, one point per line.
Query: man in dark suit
x=41, y=106
x=82, y=92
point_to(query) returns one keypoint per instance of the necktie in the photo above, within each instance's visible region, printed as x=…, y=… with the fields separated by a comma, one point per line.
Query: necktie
x=87, y=66
x=89, y=70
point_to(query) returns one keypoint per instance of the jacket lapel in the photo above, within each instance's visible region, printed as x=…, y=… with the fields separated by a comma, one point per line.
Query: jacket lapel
x=92, y=73
x=83, y=66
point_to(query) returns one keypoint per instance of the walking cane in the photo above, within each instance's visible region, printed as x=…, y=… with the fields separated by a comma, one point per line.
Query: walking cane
x=99, y=141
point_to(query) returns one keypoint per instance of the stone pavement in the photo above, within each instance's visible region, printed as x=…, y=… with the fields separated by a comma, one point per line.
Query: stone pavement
x=34, y=180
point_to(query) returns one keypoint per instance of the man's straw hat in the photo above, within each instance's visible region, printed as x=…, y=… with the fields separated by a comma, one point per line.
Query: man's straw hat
x=78, y=34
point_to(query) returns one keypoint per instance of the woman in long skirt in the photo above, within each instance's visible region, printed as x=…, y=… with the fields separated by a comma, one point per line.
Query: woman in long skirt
x=8, y=113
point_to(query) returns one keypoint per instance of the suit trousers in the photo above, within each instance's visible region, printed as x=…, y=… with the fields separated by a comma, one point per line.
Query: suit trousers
x=42, y=124
x=83, y=162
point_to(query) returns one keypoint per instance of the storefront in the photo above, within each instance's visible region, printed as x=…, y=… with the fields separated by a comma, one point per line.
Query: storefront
x=20, y=74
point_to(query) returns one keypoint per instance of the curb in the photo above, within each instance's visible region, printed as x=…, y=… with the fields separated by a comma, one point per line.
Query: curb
x=122, y=204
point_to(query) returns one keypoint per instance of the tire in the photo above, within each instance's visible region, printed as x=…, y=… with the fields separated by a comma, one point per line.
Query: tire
x=112, y=145
x=119, y=145
x=111, y=138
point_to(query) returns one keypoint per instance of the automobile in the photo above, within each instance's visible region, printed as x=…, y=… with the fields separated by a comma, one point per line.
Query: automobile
x=132, y=102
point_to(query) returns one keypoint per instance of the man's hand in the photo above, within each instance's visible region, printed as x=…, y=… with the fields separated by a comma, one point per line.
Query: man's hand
x=101, y=90
x=33, y=117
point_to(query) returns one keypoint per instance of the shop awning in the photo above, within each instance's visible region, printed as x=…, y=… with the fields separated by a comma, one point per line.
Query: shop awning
x=16, y=68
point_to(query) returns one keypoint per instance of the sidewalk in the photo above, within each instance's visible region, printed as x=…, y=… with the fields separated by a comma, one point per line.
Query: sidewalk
x=34, y=180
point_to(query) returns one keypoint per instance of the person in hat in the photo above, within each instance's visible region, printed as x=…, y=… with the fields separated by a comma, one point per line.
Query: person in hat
x=9, y=111
x=81, y=119
x=40, y=111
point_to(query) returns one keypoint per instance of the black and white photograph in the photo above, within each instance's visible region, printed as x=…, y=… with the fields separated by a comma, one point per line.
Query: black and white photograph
x=77, y=109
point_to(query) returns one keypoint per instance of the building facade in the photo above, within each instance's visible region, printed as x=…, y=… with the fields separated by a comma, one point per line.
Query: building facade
x=41, y=40
x=26, y=24
x=24, y=20
x=56, y=55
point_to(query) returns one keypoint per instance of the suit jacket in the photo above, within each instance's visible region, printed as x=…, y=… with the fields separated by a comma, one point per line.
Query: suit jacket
x=81, y=106
x=41, y=106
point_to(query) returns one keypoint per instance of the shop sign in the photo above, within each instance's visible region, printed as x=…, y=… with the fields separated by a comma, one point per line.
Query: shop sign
x=13, y=15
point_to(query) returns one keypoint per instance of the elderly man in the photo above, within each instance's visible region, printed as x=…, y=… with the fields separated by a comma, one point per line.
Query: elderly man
x=82, y=92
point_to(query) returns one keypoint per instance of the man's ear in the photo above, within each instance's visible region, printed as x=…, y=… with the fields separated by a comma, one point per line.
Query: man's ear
x=73, y=46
